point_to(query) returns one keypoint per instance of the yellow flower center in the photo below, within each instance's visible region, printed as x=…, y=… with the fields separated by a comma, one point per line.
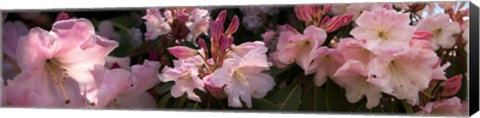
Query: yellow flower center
x=59, y=75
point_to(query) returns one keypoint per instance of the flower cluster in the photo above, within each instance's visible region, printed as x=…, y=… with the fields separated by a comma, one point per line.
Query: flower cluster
x=344, y=57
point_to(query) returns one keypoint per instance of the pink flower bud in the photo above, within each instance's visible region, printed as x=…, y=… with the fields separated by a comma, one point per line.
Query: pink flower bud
x=422, y=35
x=304, y=13
x=324, y=20
x=221, y=17
x=452, y=85
x=232, y=28
x=225, y=43
x=337, y=22
x=182, y=52
x=216, y=31
x=62, y=16
x=268, y=37
x=326, y=9
x=202, y=44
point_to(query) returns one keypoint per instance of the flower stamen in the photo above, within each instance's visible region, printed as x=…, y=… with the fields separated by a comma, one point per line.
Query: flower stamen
x=59, y=75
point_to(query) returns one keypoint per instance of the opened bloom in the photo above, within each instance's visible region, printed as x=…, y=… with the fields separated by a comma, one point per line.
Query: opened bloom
x=56, y=65
x=445, y=107
x=353, y=77
x=156, y=24
x=11, y=33
x=402, y=73
x=295, y=47
x=382, y=27
x=243, y=78
x=443, y=30
x=186, y=79
x=328, y=61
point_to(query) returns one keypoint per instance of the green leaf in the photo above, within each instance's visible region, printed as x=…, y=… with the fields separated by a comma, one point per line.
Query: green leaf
x=314, y=100
x=163, y=102
x=336, y=100
x=164, y=88
x=263, y=104
x=193, y=106
x=179, y=103
x=408, y=107
x=287, y=99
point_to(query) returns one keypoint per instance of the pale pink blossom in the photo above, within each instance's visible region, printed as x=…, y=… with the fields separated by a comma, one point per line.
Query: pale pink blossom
x=216, y=92
x=295, y=47
x=452, y=85
x=354, y=49
x=402, y=72
x=439, y=70
x=327, y=62
x=243, y=78
x=186, y=79
x=353, y=77
x=444, y=107
x=110, y=84
x=442, y=28
x=120, y=62
x=197, y=23
x=246, y=47
x=11, y=34
x=126, y=88
x=56, y=65
x=156, y=24
x=385, y=28
x=136, y=96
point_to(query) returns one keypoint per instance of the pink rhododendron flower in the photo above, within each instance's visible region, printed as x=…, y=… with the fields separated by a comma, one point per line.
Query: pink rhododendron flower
x=198, y=23
x=120, y=88
x=243, y=78
x=111, y=84
x=11, y=33
x=439, y=71
x=452, y=85
x=353, y=77
x=295, y=47
x=143, y=78
x=156, y=24
x=354, y=49
x=444, y=107
x=382, y=27
x=124, y=62
x=56, y=65
x=402, y=73
x=443, y=30
x=246, y=47
x=186, y=80
x=328, y=61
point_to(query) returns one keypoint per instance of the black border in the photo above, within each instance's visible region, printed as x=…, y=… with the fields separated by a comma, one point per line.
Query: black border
x=473, y=56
